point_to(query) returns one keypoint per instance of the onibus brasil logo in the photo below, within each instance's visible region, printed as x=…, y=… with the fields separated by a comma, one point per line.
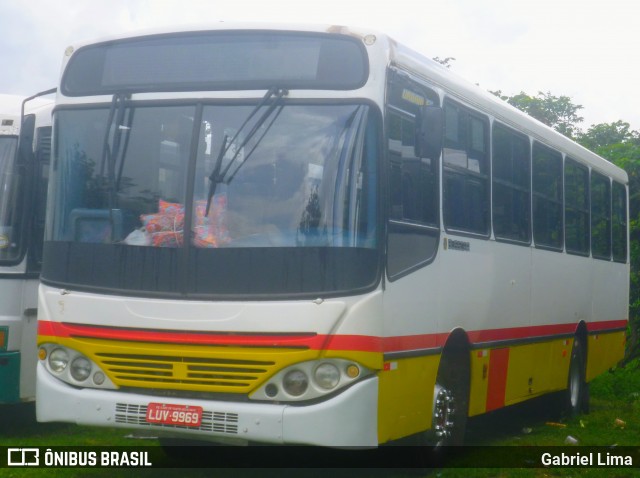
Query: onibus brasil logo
x=74, y=458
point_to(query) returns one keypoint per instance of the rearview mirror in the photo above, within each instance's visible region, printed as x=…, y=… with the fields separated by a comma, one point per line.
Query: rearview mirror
x=25, y=145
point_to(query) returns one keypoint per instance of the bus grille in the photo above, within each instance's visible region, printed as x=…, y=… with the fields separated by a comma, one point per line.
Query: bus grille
x=219, y=422
x=209, y=374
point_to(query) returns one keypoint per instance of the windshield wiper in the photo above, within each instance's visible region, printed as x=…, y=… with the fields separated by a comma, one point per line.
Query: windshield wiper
x=113, y=149
x=111, y=146
x=219, y=175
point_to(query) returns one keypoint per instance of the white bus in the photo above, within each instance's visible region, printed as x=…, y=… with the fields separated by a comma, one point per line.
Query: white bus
x=24, y=165
x=374, y=249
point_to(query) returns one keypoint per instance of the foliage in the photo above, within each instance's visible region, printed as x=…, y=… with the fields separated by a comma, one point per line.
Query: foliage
x=558, y=112
x=622, y=383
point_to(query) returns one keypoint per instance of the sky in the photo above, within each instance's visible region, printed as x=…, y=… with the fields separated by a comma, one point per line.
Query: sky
x=588, y=50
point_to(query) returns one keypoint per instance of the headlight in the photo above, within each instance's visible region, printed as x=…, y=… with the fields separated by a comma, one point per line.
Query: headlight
x=58, y=360
x=73, y=367
x=310, y=380
x=327, y=376
x=80, y=368
x=295, y=383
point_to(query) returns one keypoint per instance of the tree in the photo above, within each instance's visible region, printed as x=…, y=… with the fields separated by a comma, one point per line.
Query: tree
x=558, y=112
x=606, y=135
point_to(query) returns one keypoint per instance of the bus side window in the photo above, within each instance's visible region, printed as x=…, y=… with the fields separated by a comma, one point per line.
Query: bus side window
x=600, y=216
x=576, y=208
x=466, y=170
x=414, y=182
x=619, y=223
x=547, y=197
x=511, y=185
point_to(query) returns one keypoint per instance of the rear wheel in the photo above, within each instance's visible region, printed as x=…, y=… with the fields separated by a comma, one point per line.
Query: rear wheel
x=576, y=396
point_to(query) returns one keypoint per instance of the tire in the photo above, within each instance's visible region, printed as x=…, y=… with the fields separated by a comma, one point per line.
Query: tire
x=450, y=403
x=576, y=396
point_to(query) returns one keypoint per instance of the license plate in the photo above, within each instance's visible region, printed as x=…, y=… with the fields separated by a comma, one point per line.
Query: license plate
x=168, y=414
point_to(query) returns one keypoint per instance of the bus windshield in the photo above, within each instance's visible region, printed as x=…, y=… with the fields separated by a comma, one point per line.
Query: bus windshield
x=9, y=247
x=294, y=209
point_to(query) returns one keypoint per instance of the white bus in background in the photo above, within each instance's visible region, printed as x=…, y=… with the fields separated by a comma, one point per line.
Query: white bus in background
x=24, y=165
x=314, y=235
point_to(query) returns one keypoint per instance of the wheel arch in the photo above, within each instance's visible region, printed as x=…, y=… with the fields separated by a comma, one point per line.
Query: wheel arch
x=581, y=333
x=457, y=346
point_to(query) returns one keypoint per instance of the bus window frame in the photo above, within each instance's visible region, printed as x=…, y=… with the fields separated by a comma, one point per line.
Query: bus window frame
x=624, y=223
x=541, y=196
x=449, y=170
x=569, y=161
x=606, y=180
x=404, y=226
x=509, y=184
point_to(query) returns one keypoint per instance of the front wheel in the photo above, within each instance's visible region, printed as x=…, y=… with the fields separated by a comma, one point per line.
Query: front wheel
x=450, y=404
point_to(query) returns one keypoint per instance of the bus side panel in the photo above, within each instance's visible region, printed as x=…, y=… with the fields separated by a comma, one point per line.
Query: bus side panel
x=604, y=351
x=28, y=349
x=561, y=290
x=406, y=396
x=9, y=377
x=539, y=368
x=504, y=376
x=610, y=292
x=610, y=303
x=17, y=348
x=480, y=360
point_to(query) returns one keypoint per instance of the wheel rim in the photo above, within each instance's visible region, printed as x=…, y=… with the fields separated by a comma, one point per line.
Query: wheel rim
x=443, y=414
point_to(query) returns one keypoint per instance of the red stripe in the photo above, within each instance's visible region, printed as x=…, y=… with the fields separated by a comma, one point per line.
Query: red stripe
x=405, y=343
x=497, y=384
x=363, y=343
x=304, y=340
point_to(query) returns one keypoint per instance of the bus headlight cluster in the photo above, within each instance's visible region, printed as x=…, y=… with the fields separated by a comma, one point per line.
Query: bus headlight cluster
x=72, y=367
x=58, y=360
x=309, y=380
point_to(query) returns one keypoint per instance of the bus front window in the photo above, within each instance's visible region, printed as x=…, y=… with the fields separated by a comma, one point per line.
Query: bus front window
x=293, y=192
